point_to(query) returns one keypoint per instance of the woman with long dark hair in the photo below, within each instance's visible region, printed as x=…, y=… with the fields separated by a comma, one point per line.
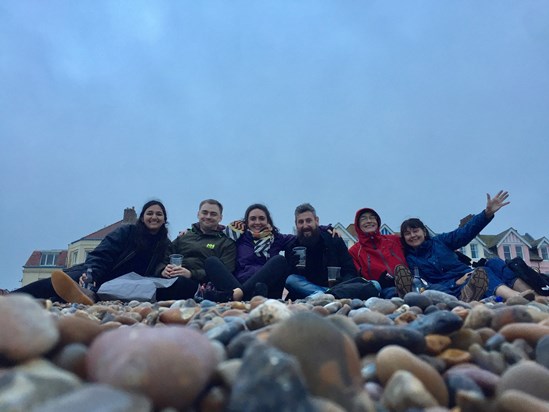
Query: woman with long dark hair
x=260, y=269
x=138, y=248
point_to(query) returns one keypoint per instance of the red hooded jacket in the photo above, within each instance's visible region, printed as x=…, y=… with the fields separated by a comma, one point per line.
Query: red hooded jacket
x=375, y=253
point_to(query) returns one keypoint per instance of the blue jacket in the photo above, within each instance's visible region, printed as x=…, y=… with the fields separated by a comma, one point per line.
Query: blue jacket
x=436, y=259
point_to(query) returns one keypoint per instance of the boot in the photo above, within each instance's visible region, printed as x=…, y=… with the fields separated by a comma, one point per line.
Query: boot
x=70, y=291
x=403, y=280
x=476, y=286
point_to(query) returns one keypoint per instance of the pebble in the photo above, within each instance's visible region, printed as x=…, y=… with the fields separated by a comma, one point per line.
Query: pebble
x=427, y=352
x=404, y=391
x=171, y=365
x=441, y=322
x=393, y=358
x=542, y=351
x=372, y=338
x=530, y=332
x=528, y=377
x=27, y=329
x=328, y=358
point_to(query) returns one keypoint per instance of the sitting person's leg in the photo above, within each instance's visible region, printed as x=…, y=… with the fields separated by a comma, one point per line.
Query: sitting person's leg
x=43, y=288
x=299, y=287
x=226, y=285
x=183, y=288
x=503, y=282
x=273, y=274
x=70, y=290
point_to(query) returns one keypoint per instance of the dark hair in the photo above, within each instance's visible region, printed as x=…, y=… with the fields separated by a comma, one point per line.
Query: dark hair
x=304, y=207
x=142, y=230
x=212, y=202
x=413, y=223
x=264, y=209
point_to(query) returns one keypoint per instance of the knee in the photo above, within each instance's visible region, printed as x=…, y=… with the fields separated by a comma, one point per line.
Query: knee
x=212, y=261
x=293, y=281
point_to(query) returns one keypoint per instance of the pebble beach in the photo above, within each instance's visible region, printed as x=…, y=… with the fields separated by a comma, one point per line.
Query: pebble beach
x=427, y=352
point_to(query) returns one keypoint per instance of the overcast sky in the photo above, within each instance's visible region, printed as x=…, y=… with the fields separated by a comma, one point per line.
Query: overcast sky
x=414, y=108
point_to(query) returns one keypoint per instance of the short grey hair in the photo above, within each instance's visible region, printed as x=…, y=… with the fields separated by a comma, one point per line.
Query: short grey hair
x=304, y=207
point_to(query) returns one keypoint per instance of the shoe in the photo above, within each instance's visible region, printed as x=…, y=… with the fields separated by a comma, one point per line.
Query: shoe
x=4, y=292
x=209, y=292
x=476, y=286
x=199, y=294
x=261, y=289
x=403, y=280
x=537, y=281
x=70, y=291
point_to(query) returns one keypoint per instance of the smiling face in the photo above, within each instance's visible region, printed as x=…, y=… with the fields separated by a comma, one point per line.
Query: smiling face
x=306, y=224
x=154, y=218
x=367, y=222
x=414, y=236
x=257, y=220
x=209, y=217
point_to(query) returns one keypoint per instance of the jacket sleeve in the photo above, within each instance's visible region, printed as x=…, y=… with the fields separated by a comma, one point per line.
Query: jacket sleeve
x=463, y=235
x=109, y=252
x=162, y=259
x=345, y=259
x=353, y=251
x=228, y=255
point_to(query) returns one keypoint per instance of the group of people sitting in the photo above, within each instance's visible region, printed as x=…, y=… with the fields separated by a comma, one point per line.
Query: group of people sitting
x=251, y=257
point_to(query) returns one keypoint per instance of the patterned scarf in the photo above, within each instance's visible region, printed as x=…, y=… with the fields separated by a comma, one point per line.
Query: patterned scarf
x=262, y=240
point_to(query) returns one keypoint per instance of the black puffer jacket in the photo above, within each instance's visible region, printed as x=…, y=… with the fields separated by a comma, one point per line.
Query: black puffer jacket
x=119, y=253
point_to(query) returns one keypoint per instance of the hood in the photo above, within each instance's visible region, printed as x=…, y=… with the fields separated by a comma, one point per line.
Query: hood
x=361, y=235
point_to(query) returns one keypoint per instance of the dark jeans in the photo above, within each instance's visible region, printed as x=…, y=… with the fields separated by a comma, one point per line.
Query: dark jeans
x=43, y=289
x=273, y=274
x=183, y=288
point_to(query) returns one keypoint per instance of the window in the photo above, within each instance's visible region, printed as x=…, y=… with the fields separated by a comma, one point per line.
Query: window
x=74, y=256
x=506, y=252
x=474, y=251
x=518, y=249
x=48, y=259
x=385, y=231
x=544, y=253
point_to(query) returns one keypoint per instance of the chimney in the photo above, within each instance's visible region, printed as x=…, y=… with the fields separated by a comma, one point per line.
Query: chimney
x=130, y=216
x=465, y=220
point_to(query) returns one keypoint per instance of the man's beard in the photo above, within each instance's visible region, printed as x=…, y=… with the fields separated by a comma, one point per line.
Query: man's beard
x=311, y=239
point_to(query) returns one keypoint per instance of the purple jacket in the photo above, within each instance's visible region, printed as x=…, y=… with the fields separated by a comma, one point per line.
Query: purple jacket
x=247, y=262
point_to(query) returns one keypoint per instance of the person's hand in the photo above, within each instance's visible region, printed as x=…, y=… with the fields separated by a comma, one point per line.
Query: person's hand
x=82, y=280
x=496, y=203
x=171, y=271
x=463, y=279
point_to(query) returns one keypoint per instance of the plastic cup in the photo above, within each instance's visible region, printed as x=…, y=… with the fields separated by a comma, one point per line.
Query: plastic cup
x=176, y=260
x=302, y=253
x=333, y=274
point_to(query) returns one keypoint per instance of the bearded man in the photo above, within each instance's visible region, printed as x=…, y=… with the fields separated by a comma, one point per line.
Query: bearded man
x=323, y=250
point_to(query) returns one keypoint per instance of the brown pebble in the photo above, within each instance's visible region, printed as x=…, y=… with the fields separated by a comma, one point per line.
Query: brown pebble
x=392, y=358
x=530, y=332
x=437, y=343
x=405, y=318
x=76, y=329
x=455, y=356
